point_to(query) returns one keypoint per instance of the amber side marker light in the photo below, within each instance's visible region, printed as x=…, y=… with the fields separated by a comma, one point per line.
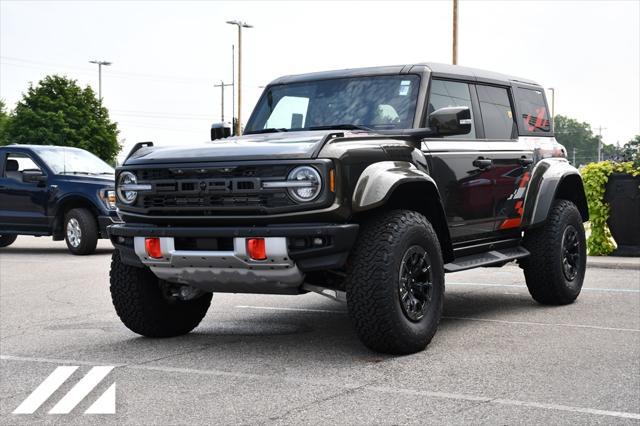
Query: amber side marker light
x=256, y=248
x=152, y=246
x=332, y=180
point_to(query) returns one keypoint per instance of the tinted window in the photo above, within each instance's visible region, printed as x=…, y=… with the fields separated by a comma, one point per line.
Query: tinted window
x=533, y=110
x=497, y=114
x=451, y=94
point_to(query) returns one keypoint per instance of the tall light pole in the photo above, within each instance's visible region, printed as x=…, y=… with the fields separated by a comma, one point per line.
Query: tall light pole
x=454, y=59
x=222, y=85
x=100, y=64
x=233, y=89
x=553, y=103
x=240, y=26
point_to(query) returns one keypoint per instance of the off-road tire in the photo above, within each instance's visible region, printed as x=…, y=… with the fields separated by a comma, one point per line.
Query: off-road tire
x=372, y=283
x=89, y=231
x=543, y=269
x=142, y=307
x=7, y=239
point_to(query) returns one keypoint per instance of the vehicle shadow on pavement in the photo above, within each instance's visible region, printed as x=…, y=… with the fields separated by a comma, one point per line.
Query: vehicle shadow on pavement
x=312, y=337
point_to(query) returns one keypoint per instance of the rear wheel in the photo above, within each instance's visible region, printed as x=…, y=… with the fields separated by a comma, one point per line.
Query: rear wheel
x=145, y=306
x=7, y=239
x=556, y=267
x=81, y=231
x=395, y=284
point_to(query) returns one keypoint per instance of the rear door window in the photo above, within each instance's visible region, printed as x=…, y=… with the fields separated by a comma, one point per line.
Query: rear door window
x=497, y=114
x=533, y=110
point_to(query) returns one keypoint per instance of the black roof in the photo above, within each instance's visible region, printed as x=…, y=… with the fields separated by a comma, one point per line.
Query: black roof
x=442, y=70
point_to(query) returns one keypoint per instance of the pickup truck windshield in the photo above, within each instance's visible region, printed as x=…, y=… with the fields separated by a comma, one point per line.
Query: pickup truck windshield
x=377, y=103
x=73, y=161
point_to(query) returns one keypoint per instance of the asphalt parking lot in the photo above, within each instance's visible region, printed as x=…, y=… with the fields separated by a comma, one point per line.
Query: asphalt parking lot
x=498, y=357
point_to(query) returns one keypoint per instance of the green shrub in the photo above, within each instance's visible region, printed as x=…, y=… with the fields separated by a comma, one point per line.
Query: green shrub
x=595, y=177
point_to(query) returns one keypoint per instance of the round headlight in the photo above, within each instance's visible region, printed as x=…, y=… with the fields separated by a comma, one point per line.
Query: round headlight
x=124, y=195
x=308, y=183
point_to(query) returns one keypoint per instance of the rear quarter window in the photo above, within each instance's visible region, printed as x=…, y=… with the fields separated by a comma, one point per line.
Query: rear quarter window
x=532, y=108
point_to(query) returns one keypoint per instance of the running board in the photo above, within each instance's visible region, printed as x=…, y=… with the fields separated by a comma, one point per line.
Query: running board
x=486, y=259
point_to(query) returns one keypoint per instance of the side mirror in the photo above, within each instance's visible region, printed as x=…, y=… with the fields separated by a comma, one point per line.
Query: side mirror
x=220, y=131
x=451, y=121
x=33, y=176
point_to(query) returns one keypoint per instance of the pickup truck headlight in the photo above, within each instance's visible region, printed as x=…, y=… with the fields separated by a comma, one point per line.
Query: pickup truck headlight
x=304, y=183
x=125, y=188
x=108, y=197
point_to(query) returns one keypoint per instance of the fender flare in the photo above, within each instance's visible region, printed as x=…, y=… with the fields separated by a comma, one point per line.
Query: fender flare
x=552, y=179
x=378, y=181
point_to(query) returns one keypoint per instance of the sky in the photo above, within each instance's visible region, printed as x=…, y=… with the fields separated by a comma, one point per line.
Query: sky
x=167, y=55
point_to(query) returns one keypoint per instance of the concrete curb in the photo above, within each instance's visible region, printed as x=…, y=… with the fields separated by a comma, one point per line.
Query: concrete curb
x=613, y=262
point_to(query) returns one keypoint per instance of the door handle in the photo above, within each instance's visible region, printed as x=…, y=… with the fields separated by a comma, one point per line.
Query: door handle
x=482, y=163
x=524, y=161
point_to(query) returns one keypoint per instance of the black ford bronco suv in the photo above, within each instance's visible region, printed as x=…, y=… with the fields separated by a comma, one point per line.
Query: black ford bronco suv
x=365, y=185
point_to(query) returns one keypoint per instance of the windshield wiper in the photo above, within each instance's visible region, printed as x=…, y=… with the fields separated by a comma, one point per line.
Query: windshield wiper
x=341, y=127
x=269, y=130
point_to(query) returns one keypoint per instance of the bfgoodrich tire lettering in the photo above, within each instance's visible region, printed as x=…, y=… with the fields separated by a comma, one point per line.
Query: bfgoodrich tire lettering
x=555, y=269
x=373, y=283
x=140, y=304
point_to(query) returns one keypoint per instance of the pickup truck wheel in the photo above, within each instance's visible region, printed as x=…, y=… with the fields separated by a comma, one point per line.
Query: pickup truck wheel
x=144, y=308
x=7, y=239
x=80, y=231
x=555, y=269
x=395, y=283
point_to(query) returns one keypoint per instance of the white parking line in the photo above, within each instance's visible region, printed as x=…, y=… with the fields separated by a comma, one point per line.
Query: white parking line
x=594, y=327
x=604, y=290
x=360, y=387
x=545, y=324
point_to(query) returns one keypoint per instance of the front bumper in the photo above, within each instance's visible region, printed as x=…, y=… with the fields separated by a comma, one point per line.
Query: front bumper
x=188, y=256
x=105, y=221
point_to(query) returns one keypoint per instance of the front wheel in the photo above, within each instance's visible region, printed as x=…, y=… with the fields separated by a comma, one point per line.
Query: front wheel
x=555, y=270
x=144, y=306
x=7, y=239
x=80, y=231
x=395, y=284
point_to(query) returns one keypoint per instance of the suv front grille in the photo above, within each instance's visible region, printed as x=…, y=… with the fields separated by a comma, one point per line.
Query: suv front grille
x=210, y=191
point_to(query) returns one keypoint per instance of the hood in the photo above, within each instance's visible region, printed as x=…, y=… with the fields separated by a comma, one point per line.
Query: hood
x=97, y=180
x=294, y=145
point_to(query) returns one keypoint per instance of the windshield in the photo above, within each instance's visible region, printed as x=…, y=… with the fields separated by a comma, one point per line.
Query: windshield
x=74, y=161
x=377, y=103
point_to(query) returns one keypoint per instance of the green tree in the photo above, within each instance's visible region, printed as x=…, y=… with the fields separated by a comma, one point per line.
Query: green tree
x=4, y=123
x=576, y=135
x=631, y=150
x=59, y=112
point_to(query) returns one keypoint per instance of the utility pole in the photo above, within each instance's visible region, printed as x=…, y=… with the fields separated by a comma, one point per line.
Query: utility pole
x=222, y=85
x=600, y=129
x=240, y=26
x=553, y=104
x=574, y=156
x=233, y=89
x=100, y=64
x=454, y=60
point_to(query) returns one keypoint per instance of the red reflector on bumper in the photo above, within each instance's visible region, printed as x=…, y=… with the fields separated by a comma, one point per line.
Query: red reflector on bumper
x=256, y=248
x=152, y=246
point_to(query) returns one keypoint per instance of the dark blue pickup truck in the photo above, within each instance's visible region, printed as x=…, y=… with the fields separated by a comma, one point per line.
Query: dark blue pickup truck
x=58, y=191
